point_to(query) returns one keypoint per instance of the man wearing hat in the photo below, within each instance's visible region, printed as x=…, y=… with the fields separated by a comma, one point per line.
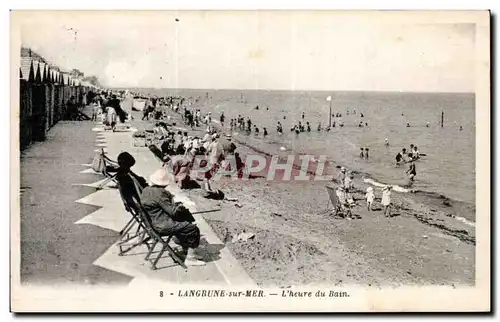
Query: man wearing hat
x=341, y=176
x=215, y=156
x=169, y=218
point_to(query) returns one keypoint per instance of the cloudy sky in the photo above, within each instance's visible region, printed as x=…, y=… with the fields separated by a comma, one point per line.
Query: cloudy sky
x=258, y=50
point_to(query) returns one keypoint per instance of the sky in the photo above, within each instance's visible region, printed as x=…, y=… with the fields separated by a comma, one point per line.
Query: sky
x=258, y=50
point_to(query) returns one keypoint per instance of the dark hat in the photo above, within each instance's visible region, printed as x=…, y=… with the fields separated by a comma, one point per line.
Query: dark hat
x=125, y=160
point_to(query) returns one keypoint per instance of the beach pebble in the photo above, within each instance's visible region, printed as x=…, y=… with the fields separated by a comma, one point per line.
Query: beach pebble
x=243, y=237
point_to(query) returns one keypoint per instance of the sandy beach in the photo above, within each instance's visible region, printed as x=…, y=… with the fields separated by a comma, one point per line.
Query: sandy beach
x=297, y=242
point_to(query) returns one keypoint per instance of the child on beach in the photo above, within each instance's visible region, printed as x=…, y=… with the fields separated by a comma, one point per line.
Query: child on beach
x=348, y=182
x=386, y=199
x=370, y=197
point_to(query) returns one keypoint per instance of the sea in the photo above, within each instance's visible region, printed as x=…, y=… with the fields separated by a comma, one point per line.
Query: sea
x=447, y=169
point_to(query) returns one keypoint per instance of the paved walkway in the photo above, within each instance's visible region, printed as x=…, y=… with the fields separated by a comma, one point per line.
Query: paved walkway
x=53, y=248
x=79, y=226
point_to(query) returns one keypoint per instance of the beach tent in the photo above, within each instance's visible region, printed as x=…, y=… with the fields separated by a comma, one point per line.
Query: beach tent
x=27, y=71
x=65, y=79
x=36, y=68
x=41, y=66
x=138, y=104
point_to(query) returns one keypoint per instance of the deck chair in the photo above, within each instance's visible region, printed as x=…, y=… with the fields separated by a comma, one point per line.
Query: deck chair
x=128, y=233
x=338, y=208
x=154, y=237
x=106, y=170
x=158, y=154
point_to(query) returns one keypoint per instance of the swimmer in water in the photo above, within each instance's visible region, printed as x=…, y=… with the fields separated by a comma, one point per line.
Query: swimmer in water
x=366, y=153
x=256, y=129
x=303, y=115
x=319, y=127
x=461, y=128
x=361, y=153
x=407, y=124
x=308, y=127
x=265, y=131
x=399, y=158
x=386, y=142
x=427, y=124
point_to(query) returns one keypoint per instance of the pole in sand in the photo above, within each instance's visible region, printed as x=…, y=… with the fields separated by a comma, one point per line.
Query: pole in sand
x=442, y=118
x=329, y=99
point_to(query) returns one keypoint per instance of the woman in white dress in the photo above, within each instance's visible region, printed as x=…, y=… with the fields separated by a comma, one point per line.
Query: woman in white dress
x=386, y=199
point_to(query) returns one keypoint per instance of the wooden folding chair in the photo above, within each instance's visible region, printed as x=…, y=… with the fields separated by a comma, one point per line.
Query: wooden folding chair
x=338, y=208
x=153, y=236
x=160, y=156
x=110, y=175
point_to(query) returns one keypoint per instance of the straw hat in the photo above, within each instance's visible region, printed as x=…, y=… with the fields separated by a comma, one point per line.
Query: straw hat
x=160, y=178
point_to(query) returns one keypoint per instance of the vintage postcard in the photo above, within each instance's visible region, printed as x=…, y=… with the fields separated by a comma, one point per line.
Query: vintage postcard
x=250, y=161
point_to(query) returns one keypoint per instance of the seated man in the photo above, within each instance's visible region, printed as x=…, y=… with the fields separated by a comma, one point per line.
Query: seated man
x=168, y=217
x=346, y=200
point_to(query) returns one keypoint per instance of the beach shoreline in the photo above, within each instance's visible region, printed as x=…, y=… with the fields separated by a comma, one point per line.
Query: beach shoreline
x=296, y=242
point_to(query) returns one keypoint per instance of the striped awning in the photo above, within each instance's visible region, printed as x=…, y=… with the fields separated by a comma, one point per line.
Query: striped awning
x=42, y=71
x=36, y=70
x=27, y=68
x=66, y=79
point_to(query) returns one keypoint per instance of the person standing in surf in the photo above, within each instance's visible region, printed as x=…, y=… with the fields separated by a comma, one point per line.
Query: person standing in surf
x=222, y=118
x=399, y=158
x=412, y=171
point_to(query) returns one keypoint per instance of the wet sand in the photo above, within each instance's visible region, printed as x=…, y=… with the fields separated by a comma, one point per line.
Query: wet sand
x=296, y=242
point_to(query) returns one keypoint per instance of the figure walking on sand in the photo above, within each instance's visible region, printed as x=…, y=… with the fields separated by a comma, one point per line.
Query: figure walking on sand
x=370, y=197
x=341, y=176
x=386, y=200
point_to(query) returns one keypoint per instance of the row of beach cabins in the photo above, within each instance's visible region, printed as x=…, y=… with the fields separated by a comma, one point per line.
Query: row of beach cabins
x=44, y=91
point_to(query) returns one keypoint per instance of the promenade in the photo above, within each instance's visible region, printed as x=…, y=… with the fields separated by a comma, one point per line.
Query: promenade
x=69, y=229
